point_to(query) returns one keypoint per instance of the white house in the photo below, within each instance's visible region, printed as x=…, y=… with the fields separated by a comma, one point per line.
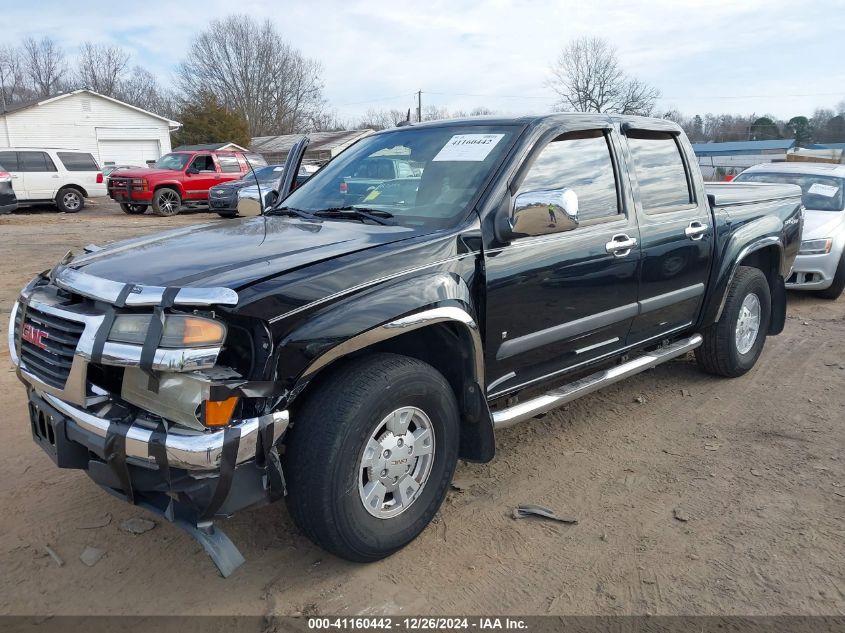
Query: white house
x=113, y=131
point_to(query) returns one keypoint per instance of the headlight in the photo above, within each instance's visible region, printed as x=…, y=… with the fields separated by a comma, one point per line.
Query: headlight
x=179, y=331
x=816, y=247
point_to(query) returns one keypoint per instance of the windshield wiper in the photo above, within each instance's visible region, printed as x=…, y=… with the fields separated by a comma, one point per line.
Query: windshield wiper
x=299, y=213
x=374, y=215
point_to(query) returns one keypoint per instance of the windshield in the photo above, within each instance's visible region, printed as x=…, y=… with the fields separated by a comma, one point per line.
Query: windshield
x=422, y=176
x=821, y=193
x=174, y=162
x=269, y=173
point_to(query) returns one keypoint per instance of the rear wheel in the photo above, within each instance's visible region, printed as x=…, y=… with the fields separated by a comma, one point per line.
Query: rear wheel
x=70, y=200
x=371, y=456
x=732, y=345
x=166, y=202
x=133, y=209
x=835, y=289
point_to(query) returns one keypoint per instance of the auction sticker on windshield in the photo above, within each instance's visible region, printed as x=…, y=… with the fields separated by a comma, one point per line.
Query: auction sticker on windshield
x=468, y=147
x=819, y=189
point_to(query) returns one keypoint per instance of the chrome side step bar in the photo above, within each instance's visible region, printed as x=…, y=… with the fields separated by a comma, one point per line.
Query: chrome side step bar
x=560, y=396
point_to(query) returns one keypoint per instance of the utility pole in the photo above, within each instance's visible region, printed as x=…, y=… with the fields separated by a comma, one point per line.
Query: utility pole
x=419, y=106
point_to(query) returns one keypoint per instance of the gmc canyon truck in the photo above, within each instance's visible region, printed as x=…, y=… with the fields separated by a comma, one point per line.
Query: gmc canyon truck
x=344, y=357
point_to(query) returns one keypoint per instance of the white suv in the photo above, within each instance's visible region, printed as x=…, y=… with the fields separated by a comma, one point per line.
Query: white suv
x=61, y=176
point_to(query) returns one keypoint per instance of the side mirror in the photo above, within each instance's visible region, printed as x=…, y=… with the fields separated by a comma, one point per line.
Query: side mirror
x=544, y=212
x=192, y=171
x=248, y=206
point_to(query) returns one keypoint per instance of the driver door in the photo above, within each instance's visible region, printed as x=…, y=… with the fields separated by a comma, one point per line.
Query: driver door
x=201, y=175
x=564, y=297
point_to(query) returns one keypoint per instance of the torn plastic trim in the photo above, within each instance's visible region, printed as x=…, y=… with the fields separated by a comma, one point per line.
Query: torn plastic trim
x=186, y=449
x=137, y=295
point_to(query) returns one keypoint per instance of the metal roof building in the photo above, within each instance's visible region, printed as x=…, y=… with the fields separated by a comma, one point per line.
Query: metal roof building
x=733, y=157
x=322, y=146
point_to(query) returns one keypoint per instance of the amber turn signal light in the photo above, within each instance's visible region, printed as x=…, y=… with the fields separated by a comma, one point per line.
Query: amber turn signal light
x=219, y=413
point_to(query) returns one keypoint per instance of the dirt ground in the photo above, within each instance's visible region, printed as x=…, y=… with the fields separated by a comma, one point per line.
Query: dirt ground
x=756, y=466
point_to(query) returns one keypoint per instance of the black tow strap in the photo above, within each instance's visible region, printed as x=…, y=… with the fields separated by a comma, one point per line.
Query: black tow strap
x=158, y=451
x=116, y=456
x=229, y=457
x=153, y=339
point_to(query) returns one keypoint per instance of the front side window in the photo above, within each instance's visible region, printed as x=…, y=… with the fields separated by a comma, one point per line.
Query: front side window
x=173, y=162
x=203, y=163
x=820, y=193
x=660, y=171
x=452, y=163
x=580, y=161
x=77, y=161
x=35, y=162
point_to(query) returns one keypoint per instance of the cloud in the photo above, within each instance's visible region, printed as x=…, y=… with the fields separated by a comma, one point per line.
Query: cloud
x=701, y=55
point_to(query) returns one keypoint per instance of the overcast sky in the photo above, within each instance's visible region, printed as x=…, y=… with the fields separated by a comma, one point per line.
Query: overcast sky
x=783, y=57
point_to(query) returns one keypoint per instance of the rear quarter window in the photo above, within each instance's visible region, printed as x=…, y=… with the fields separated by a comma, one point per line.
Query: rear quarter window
x=77, y=161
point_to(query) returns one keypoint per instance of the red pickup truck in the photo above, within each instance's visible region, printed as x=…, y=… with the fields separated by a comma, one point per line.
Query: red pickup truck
x=177, y=180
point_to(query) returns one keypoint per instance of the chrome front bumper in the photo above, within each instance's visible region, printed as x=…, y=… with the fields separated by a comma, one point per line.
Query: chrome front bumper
x=185, y=449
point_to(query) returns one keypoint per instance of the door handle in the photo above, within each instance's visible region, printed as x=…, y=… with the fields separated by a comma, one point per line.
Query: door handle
x=620, y=245
x=54, y=176
x=696, y=230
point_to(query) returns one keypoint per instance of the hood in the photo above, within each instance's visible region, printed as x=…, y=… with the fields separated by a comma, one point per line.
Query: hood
x=821, y=224
x=142, y=172
x=235, y=253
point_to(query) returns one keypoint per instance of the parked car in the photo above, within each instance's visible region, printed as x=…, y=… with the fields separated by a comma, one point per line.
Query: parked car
x=345, y=357
x=820, y=265
x=224, y=198
x=373, y=172
x=8, y=199
x=178, y=179
x=62, y=177
x=108, y=169
x=269, y=191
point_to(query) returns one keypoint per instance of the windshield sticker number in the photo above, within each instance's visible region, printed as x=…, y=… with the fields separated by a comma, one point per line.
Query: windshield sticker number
x=828, y=191
x=468, y=147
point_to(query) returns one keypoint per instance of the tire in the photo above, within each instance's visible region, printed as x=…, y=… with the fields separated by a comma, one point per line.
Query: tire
x=324, y=457
x=70, y=200
x=133, y=209
x=722, y=353
x=835, y=289
x=166, y=202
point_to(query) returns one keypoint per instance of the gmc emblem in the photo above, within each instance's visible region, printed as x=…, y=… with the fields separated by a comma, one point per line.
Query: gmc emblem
x=35, y=336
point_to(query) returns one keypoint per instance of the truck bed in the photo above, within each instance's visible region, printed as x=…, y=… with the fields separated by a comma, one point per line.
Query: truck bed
x=726, y=194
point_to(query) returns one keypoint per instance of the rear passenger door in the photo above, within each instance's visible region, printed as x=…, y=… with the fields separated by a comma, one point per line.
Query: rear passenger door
x=40, y=176
x=558, y=301
x=676, y=233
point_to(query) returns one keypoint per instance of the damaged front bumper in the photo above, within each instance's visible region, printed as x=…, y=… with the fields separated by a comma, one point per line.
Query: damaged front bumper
x=189, y=476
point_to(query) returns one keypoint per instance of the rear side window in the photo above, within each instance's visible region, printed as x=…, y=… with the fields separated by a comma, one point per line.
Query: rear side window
x=660, y=170
x=76, y=161
x=9, y=161
x=229, y=163
x=35, y=161
x=580, y=161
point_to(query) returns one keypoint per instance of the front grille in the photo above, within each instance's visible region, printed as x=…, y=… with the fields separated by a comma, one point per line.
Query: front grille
x=59, y=337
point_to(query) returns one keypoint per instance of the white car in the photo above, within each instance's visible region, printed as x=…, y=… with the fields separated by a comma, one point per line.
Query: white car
x=820, y=265
x=63, y=177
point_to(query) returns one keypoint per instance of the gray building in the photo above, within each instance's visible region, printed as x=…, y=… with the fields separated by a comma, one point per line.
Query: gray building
x=323, y=146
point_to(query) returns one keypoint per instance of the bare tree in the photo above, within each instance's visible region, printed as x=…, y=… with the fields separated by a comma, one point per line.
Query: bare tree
x=248, y=65
x=101, y=67
x=141, y=89
x=589, y=78
x=45, y=65
x=12, y=82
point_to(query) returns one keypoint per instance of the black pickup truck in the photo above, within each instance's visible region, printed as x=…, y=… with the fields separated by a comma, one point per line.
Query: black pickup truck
x=344, y=357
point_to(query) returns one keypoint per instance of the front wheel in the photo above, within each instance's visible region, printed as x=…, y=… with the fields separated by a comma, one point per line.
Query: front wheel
x=835, y=289
x=371, y=456
x=166, y=202
x=70, y=200
x=133, y=209
x=732, y=346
